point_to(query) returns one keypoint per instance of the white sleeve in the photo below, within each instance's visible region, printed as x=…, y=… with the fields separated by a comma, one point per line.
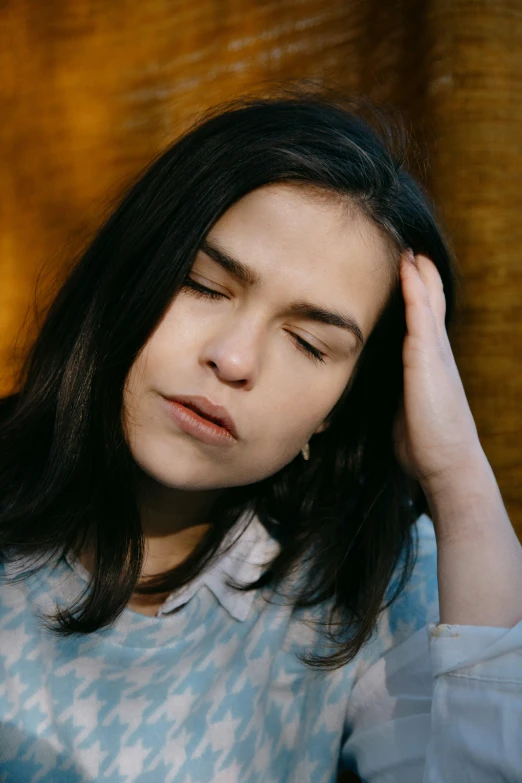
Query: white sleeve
x=445, y=706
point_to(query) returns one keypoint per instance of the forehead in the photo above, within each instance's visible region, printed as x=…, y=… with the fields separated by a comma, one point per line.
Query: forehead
x=310, y=242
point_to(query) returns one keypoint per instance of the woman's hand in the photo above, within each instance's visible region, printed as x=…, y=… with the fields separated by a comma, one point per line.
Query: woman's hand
x=434, y=432
x=479, y=558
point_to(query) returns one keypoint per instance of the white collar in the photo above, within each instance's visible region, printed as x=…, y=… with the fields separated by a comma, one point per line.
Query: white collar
x=244, y=562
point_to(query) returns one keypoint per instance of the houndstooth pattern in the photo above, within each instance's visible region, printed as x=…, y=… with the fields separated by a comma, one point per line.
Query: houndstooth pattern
x=191, y=697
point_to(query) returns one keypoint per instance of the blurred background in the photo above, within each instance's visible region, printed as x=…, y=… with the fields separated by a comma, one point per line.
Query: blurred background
x=91, y=90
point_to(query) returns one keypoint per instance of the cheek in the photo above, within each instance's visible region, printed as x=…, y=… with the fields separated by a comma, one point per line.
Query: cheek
x=135, y=381
x=135, y=400
x=130, y=405
x=156, y=366
x=295, y=412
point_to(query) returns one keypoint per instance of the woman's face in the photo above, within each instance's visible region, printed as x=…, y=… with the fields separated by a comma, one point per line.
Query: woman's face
x=242, y=350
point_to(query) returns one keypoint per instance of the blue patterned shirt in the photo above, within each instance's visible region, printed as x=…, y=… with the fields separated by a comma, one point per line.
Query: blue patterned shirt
x=214, y=693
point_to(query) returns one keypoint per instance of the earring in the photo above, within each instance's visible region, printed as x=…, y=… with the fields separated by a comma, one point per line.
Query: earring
x=305, y=451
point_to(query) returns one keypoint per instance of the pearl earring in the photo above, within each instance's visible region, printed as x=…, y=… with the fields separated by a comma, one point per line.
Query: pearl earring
x=305, y=451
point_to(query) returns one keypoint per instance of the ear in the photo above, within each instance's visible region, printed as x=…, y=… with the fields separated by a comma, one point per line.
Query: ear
x=321, y=427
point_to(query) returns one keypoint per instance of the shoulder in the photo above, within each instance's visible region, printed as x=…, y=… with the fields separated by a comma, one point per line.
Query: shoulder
x=419, y=600
x=415, y=606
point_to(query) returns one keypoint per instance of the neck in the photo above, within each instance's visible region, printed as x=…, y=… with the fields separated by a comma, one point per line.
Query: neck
x=174, y=521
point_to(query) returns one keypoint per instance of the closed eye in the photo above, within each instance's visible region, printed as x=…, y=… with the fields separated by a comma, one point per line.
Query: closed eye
x=200, y=290
x=307, y=348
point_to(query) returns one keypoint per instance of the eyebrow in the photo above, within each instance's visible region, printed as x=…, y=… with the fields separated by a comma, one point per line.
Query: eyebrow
x=246, y=275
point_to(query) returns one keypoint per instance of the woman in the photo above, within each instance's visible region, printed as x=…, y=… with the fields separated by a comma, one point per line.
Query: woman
x=246, y=381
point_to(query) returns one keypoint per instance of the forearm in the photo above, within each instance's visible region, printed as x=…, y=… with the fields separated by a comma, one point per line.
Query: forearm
x=479, y=555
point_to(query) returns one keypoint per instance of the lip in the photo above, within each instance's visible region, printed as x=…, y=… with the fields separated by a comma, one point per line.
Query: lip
x=206, y=409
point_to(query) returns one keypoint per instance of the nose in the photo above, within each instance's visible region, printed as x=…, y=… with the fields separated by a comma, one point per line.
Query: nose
x=234, y=353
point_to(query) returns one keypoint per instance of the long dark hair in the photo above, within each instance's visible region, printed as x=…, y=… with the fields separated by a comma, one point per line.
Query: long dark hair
x=66, y=473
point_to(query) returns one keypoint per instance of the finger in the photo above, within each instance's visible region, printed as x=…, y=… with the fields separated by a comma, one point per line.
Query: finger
x=433, y=287
x=420, y=318
x=433, y=282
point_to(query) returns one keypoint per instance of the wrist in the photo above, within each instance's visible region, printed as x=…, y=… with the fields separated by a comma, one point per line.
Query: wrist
x=479, y=557
x=469, y=475
x=465, y=500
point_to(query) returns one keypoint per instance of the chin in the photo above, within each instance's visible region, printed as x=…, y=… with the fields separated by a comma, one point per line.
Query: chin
x=180, y=472
x=177, y=465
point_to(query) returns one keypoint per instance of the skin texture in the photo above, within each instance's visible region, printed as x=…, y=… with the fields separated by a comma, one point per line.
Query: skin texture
x=479, y=557
x=240, y=352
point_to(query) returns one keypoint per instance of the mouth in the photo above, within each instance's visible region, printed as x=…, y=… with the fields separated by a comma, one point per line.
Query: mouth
x=208, y=411
x=197, y=410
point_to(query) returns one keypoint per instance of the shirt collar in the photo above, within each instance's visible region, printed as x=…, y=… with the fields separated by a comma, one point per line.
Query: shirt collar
x=249, y=554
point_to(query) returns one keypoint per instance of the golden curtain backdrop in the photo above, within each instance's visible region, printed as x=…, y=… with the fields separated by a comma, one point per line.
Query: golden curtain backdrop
x=91, y=91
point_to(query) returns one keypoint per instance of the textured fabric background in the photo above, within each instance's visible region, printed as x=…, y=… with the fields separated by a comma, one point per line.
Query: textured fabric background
x=90, y=91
